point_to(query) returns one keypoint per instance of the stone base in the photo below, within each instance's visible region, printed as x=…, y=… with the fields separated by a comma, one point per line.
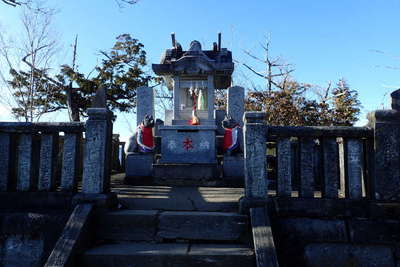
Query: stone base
x=233, y=167
x=187, y=144
x=186, y=174
x=139, y=165
x=326, y=254
x=186, y=122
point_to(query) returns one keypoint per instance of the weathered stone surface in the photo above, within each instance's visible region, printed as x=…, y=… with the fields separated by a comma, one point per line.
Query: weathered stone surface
x=284, y=166
x=220, y=255
x=100, y=98
x=145, y=103
x=96, y=173
x=139, y=165
x=195, y=174
x=234, y=167
x=12, y=201
x=179, y=198
x=331, y=168
x=385, y=210
x=22, y=251
x=43, y=127
x=103, y=201
x=322, y=207
x=386, y=124
x=320, y=131
x=307, y=167
x=188, y=144
x=369, y=176
x=348, y=255
x=69, y=172
x=27, y=238
x=202, y=225
x=316, y=230
x=142, y=254
x=255, y=155
x=48, y=162
x=73, y=238
x=355, y=167
x=264, y=245
x=377, y=232
x=147, y=254
x=29, y=223
x=25, y=179
x=5, y=153
x=235, y=104
x=127, y=225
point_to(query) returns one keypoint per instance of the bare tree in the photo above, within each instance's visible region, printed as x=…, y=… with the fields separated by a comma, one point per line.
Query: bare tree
x=32, y=4
x=289, y=102
x=73, y=110
x=28, y=58
x=276, y=73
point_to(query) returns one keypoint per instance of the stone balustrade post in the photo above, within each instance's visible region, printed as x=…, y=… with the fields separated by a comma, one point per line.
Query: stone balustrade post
x=386, y=125
x=97, y=161
x=255, y=149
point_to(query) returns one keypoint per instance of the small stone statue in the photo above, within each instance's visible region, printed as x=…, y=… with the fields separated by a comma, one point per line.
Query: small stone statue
x=143, y=141
x=231, y=136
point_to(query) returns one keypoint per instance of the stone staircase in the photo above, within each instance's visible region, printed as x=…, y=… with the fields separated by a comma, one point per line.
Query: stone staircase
x=161, y=235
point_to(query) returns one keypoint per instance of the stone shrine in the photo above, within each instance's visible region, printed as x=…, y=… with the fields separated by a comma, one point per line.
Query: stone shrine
x=190, y=139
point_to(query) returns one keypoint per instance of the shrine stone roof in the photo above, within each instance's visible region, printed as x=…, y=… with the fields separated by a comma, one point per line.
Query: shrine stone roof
x=197, y=62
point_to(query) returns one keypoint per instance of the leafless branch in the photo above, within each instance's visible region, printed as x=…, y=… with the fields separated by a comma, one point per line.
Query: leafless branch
x=254, y=71
x=123, y=3
x=12, y=2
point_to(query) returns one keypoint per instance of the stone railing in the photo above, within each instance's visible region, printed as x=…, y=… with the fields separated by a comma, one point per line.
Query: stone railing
x=323, y=162
x=324, y=170
x=30, y=160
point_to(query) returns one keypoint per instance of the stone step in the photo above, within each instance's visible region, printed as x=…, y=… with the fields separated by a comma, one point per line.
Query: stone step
x=179, y=198
x=151, y=225
x=194, y=174
x=173, y=254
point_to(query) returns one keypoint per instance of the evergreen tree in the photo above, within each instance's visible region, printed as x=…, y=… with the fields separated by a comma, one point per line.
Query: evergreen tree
x=346, y=104
x=121, y=71
x=34, y=94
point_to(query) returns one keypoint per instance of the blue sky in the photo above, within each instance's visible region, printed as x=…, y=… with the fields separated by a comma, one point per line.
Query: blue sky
x=325, y=40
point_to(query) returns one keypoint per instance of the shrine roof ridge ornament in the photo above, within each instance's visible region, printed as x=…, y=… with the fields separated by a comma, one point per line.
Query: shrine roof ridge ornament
x=196, y=61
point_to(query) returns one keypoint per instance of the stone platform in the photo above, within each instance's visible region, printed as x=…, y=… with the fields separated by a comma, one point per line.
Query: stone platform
x=186, y=174
x=139, y=165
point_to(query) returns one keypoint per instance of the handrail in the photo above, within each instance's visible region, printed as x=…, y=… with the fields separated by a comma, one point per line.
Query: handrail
x=320, y=131
x=29, y=155
x=45, y=127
